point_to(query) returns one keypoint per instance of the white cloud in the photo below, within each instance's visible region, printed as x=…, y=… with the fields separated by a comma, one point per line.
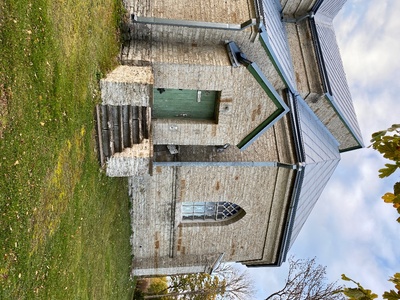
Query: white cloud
x=369, y=42
x=351, y=230
x=376, y=109
x=268, y=280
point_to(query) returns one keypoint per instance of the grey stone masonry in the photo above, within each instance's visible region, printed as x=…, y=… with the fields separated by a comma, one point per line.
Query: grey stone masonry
x=134, y=161
x=296, y=8
x=128, y=85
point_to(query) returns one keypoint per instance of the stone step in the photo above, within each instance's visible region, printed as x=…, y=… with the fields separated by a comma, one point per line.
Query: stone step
x=120, y=127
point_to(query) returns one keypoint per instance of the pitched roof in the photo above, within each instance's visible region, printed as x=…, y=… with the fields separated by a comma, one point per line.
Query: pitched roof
x=330, y=8
x=321, y=151
x=318, y=148
x=331, y=66
x=320, y=155
x=275, y=35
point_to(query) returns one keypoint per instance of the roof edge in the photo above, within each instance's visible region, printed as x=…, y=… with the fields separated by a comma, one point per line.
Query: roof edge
x=359, y=141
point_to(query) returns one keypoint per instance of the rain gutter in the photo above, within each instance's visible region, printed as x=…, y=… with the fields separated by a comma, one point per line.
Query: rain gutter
x=298, y=182
x=330, y=99
x=239, y=58
x=327, y=87
x=194, y=24
x=222, y=164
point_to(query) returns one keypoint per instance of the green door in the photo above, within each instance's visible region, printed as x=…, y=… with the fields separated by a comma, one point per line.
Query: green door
x=190, y=104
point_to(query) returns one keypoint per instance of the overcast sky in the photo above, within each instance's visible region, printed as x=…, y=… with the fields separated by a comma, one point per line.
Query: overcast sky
x=351, y=230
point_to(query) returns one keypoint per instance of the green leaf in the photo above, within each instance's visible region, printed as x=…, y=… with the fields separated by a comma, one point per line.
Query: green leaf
x=396, y=277
x=353, y=293
x=344, y=277
x=394, y=127
x=392, y=295
x=396, y=199
x=376, y=136
x=359, y=294
x=387, y=142
x=397, y=188
x=379, y=133
x=389, y=170
x=388, y=197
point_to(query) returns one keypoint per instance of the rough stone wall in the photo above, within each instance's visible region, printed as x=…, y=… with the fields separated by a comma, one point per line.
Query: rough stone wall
x=152, y=214
x=236, y=11
x=325, y=112
x=284, y=141
x=306, y=70
x=153, y=224
x=256, y=190
x=277, y=140
x=128, y=85
x=296, y=8
x=309, y=82
x=243, y=103
x=278, y=217
x=134, y=161
x=228, y=12
x=189, y=58
x=189, y=53
x=174, y=265
x=169, y=243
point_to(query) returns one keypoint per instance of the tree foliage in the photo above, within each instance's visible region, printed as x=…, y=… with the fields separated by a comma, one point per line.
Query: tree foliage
x=387, y=142
x=360, y=293
x=238, y=285
x=306, y=280
x=197, y=286
x=158, y=285
x=226, y=282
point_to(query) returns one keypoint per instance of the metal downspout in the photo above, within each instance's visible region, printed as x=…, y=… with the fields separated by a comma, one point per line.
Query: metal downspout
x=298, y=20
x=195, y=24
x=298, y=180
x=320, y=58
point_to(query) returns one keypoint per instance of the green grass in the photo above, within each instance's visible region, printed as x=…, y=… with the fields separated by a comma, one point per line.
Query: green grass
x=64, y=226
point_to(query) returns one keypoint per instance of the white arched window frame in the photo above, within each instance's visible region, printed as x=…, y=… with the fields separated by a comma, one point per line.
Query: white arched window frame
x=210, y=211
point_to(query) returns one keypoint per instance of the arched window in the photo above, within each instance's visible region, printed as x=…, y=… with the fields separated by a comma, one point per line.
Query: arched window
x=210, y=211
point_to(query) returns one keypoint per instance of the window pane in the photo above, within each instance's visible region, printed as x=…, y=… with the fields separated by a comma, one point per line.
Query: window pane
x=199, y=209
x=187, y=209
x=209, y=210
x=220, y=216
x=210, y=206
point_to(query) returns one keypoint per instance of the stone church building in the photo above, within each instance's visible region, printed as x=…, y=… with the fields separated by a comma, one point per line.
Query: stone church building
x=229, y=118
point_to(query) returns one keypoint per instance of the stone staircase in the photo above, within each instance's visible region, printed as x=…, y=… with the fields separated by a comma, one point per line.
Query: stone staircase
x=119, y=128
x=124, y=121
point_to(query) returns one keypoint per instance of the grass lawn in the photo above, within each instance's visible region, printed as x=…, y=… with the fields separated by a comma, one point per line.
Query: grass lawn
x=64, y=226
